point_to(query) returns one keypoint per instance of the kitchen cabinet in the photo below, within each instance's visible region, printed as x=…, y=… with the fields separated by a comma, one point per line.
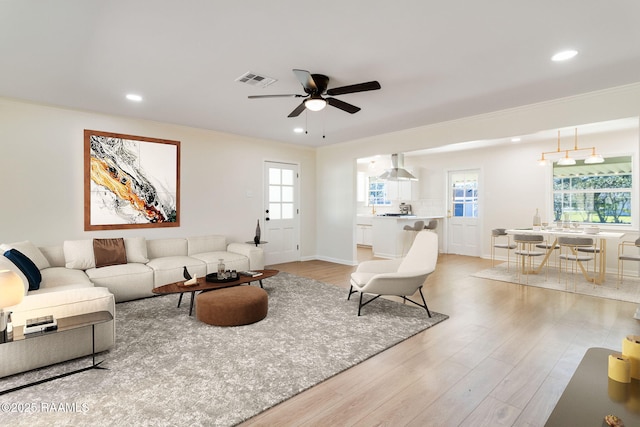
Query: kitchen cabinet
x=400, y=190
x=364, y=235
x=364, y=232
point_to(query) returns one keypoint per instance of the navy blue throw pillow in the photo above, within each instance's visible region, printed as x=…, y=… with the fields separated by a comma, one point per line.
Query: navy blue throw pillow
x=27, y=267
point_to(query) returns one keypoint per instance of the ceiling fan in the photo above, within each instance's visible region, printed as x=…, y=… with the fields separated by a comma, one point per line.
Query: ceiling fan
x=315, y=85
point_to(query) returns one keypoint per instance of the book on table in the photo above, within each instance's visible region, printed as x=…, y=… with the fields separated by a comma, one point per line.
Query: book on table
x=40, y=324
x=250, y=273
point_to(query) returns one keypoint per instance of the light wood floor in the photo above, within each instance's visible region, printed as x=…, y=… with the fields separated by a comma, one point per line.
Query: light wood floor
x=503, y=357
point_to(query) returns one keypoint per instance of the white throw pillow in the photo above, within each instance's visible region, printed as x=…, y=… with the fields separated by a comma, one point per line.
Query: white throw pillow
x=136, y=248
x=78, y=254
x=29, y=250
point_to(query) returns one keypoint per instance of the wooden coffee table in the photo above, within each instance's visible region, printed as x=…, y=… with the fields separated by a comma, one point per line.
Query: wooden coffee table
x=203, y=285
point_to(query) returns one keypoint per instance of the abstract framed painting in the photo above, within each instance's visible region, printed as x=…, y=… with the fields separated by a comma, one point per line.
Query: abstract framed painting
x=130, y=181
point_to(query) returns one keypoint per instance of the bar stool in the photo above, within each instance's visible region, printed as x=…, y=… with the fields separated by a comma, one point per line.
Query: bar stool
x=414, y=229
x=432, y=225
x=527, y=251
x=572, y=244
x=498, y=234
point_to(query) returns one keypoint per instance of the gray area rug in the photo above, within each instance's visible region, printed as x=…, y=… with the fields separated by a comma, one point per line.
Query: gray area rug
x=169, y=369
x=628, y=290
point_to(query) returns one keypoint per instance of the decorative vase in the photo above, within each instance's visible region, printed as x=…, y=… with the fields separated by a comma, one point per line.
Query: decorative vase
x=256, y=239
x=221, y=270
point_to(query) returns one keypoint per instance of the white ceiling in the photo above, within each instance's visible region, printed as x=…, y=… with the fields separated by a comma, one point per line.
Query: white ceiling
x=435, y=60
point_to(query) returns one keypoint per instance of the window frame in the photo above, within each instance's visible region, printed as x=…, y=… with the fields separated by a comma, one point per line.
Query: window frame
x=633, y=190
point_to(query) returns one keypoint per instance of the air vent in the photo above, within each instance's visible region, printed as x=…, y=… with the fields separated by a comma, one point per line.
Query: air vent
x=256, y=80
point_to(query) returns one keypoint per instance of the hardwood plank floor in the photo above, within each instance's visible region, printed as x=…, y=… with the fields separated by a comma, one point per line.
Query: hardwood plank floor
x=503, y=357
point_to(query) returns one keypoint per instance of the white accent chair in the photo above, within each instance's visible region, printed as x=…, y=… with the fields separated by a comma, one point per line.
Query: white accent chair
x=401, y=277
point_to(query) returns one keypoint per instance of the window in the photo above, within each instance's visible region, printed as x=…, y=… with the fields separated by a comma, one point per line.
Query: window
x=465, y=194
x=378, y=193
x=598, y=193
x=281, y=186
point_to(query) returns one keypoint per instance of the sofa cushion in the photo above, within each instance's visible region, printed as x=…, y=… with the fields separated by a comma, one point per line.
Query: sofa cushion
x=170, y=269
x=78, y=254
x=160, y=248
x=28, y=268
x=203, y=244
x=232, y=261
x=136, y=248
x=125, y=281
x=30, y=250
x=63, y=304
x=109, y=252
x=55, y=277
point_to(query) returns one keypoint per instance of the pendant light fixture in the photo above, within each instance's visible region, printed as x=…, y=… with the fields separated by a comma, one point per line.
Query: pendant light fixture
x=567, y=160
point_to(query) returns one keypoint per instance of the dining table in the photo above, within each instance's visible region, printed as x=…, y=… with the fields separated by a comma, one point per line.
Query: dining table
x=552, y=235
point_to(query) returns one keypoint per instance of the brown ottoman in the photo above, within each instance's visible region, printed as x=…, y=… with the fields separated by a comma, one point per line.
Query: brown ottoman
x=239, y=305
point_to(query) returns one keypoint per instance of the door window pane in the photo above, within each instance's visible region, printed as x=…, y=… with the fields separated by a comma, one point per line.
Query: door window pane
x=274, y=193
x=287, y=210
x=287, y=177
x=274, y=211
x=287, y=194
x=274, y=176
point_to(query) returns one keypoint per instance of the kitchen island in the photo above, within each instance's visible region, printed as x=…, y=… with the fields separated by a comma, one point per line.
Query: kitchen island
x=389, y=238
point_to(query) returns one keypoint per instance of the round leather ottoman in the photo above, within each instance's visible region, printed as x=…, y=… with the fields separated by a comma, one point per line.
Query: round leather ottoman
x=239, y=305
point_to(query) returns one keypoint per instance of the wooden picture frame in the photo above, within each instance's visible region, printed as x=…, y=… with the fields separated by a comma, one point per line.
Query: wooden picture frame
x=130, y=181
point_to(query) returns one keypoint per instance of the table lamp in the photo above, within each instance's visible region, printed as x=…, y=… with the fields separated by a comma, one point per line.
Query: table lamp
x=11, y=293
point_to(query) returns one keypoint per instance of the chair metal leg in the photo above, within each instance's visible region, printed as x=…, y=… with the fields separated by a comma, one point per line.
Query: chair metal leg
x=351, y=291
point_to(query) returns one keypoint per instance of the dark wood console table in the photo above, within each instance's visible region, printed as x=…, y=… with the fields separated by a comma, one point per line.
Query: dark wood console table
x=64, y=324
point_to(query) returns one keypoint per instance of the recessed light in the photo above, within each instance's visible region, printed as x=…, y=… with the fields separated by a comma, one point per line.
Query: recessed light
x=134, y=97
x=516, y=139
x=564, y=55
x=298, y=130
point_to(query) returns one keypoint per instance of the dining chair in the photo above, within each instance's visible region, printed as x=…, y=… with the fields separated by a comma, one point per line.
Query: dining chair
x=569, y=252
x=595, y=250
x=526, y=252
x=550, y=246
x=626, y=256
x=498, y=235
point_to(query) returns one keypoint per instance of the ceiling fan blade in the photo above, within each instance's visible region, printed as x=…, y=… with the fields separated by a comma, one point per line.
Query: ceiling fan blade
x=299, y=109
x=291, y=95
x=344, y=106
x=306, y=80
x=360, y=87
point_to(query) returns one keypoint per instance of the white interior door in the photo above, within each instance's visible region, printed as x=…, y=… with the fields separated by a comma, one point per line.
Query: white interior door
x=281, y=214
x=462, y=218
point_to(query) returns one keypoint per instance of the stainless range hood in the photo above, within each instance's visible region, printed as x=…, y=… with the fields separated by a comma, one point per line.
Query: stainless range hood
x=397, y=171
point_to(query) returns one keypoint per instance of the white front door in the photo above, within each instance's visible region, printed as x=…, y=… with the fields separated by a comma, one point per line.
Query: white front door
x=462, y=216
x=281, y=219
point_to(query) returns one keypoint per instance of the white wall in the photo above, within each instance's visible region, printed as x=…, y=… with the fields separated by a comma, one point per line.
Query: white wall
x=336, y=163
x=41, y=170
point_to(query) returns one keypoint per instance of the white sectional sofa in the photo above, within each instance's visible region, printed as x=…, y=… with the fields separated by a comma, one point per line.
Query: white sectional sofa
x=72, y=284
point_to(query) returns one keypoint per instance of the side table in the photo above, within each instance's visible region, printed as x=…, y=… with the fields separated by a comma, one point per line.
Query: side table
x=65, y=324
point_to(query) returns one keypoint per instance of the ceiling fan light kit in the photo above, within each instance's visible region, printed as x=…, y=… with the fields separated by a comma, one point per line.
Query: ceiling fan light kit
x=315, y=86
x=315, y=103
